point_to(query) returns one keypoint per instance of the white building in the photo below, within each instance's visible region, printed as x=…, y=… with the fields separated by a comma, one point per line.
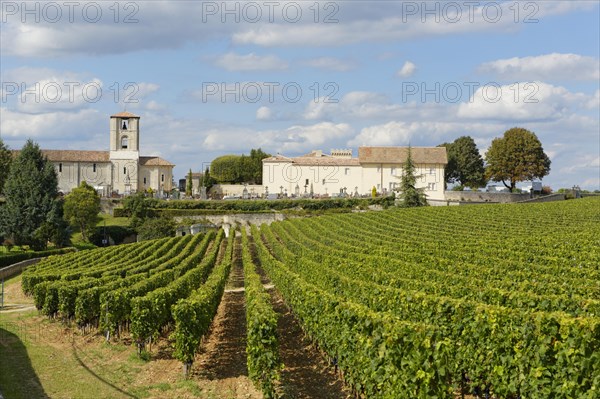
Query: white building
x=339, y=172
x=121, y=170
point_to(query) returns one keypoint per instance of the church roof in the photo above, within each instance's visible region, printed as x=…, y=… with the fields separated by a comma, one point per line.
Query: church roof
x=93, y=156
x=124, y=114
x=421, y=155
x=154, y=161
x=76, y=156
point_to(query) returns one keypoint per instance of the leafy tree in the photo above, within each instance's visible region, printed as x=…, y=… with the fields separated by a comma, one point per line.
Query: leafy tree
x=155, y=228
x=139, y=208
x=82, y=206
x=257, y=156
x=30, y=189
x=239, y=168
x=207, y=180
x=189, y=184
x=225, y=169
x=517, y=156
x=55, y=229
x=465, y=165
x=5, y=160
x=410, y=195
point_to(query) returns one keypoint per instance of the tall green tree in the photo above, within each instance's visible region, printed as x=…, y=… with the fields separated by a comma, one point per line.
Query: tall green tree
x=55, y=228
x=207, y=180
x=81, y=209
x=257, y=155
x=226, y=169
x=239, y=168
x=155, y=228
x=189, y=184
x=139, y=208
x=410, y=195
x=5, y=160
x=517, y=156
x=465, y=164
x=31, y=190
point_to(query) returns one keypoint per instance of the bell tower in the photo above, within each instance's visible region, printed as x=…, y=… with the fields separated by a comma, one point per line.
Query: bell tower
x=125, y=151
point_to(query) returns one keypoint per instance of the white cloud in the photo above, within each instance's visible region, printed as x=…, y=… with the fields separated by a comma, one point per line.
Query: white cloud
x=363, y=105
x=407, y=70
x=50, y=126
x=394, y=21
x=169, y=25
x=264, y=114
x=331, y=63
x=522, y=102
x=404, y=133
x=292, y=140
x=549, y=67
x=250, y=62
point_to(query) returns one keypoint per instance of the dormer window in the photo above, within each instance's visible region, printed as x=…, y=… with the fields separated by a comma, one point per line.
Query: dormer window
x=124, y=142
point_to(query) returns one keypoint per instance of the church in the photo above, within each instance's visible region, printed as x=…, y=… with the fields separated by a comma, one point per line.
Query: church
x=120, y=171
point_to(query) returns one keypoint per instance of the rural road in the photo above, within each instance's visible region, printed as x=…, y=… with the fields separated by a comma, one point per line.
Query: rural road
x=11, y=308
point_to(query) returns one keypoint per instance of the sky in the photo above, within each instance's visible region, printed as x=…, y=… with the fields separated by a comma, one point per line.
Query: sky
x=210, y=78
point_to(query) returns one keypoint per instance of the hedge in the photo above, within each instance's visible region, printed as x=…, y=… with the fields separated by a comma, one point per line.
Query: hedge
x=244, y=206
x=8, y=260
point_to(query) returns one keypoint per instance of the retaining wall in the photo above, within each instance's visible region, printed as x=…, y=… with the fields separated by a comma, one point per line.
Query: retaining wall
x=478, y=196
x=17, y=268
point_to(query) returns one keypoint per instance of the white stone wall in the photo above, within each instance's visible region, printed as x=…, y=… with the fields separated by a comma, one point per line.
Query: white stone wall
x=154, y=178
x=330, y=180
x=71, y=174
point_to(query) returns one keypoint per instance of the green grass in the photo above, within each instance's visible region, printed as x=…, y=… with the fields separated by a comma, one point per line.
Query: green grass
x=41, y=358
x=112, y=221
x=104, y=219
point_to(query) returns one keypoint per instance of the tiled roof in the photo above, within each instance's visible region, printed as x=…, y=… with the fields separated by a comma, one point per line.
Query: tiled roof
x=76, y=156
x=124, y=114
x=154, y=161
x=277, y=158
x=325, y=161
x=421, y=155
x=93, y=156
x=366, y=155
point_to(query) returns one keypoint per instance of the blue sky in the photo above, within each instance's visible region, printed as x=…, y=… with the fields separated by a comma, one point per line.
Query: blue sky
x=201, y=76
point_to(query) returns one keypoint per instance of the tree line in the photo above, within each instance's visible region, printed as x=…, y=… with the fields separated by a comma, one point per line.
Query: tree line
x=516, y=156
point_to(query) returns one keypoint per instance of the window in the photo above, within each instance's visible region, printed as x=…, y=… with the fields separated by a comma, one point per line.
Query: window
x=94, y=168
x=124, y=142
x=144, y=180
x=347, y=171
x=379, y=187
x=379, y=169
x=124, y=171
x=60, y=168
x=393, y=171
x=432, y=171
x=306, y=184
x=125, y=124
x=162, y=178
x=430, y=186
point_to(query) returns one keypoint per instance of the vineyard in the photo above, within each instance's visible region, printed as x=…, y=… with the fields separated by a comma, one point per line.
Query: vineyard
x=500, y=301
